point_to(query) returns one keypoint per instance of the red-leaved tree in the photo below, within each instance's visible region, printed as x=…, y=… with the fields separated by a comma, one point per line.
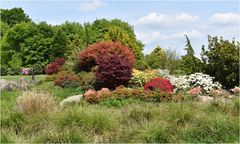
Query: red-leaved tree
x=54, y=67
x=90, y=56
x=113, y=71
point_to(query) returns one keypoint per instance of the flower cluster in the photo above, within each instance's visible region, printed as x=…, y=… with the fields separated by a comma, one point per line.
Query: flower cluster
x=163, y=73
x=204, y=81
x=26, y=71
x=194, y=80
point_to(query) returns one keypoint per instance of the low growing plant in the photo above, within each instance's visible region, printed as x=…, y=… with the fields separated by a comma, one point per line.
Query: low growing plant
x=35, y=101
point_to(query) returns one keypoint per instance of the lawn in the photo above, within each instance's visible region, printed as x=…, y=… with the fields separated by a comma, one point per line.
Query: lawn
x=131, y=121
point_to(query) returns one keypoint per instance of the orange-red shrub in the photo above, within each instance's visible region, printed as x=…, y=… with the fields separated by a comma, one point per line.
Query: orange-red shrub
x=90, y=56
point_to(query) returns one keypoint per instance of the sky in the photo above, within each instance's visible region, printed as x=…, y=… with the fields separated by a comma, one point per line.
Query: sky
x=155, y=22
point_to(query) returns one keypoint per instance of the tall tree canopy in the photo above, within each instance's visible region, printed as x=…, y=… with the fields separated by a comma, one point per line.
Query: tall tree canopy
x=14, y=16
x=190, y=63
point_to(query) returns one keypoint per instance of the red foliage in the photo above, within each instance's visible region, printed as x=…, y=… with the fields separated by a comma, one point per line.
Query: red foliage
x=54, y=67
x=93, y=96
x=160, y=84
x=90, y=56
x=113, y=71
x=66, y=78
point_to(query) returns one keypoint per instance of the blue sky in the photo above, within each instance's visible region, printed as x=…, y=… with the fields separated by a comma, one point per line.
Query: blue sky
x=156, y=22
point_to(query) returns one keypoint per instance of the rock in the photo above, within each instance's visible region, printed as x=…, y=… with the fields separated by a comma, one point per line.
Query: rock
x=22, y=84
x=236, y=90
x=205, y=99
x=223, y=100
x=70, y=100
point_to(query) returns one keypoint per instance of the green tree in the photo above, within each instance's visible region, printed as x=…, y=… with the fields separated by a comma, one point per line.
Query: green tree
x=4, y=28
x=190, y=63
x=60, y=41
x=116, y=33
x=13, y=16
x=15, y=63
x=156, y=59
x=221, y=60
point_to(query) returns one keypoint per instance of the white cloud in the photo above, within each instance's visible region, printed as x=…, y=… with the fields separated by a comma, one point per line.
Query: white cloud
x=166, y=20
x=92, y=5
x=157, y=36
x=225, y=18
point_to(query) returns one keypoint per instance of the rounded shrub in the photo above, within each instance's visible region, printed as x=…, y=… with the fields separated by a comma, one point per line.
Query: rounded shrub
x=89, y=57
x=67, y=79
x=160, y=84
x=113, y=71
x=54, y=67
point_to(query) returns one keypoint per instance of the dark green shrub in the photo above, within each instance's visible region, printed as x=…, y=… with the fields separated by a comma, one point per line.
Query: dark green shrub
x=221, y=61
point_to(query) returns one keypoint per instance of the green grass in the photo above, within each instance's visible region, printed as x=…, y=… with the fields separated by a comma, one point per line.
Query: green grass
x=18, y=77
x=133, y=123
x=124, y=121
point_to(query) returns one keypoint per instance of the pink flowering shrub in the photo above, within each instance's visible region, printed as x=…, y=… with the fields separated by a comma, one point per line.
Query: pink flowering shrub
x=25, y=71
x=195, y=91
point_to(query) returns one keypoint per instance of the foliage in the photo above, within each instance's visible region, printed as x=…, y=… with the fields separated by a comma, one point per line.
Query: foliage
x=93, y=96
x=90, y=56
x=116, y=34
x=14, y=16
x=16, y=63
x=88, y=80
x=54, y=67
x=139, y=78
x=34, y=101
x=67, y=79
x=60, y=41
x=164, y=59
x=190, y=63
x=221, y=60
x=113, y=30
x=113, y=71
x=160, y=84
x=157, y=58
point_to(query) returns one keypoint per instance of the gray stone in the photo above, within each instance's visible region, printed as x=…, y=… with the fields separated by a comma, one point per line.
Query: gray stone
x=22, y=84
x=71, y=100
x=205, y=99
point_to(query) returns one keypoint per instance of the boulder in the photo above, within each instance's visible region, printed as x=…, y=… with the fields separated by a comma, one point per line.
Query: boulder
x=22, y=84
x=205, y=99
x=71, y=100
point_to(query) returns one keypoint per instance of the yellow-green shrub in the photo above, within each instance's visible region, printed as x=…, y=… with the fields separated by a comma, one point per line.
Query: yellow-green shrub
x=139, y=78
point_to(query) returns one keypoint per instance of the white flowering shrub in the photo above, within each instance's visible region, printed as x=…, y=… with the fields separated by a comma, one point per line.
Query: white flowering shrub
x=204, y=81
x=180, y=83
x=194, y=80
x=163, y=73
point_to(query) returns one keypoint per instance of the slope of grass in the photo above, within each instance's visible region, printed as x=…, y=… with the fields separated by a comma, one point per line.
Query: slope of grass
x=144, y=122
x=125, y=121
